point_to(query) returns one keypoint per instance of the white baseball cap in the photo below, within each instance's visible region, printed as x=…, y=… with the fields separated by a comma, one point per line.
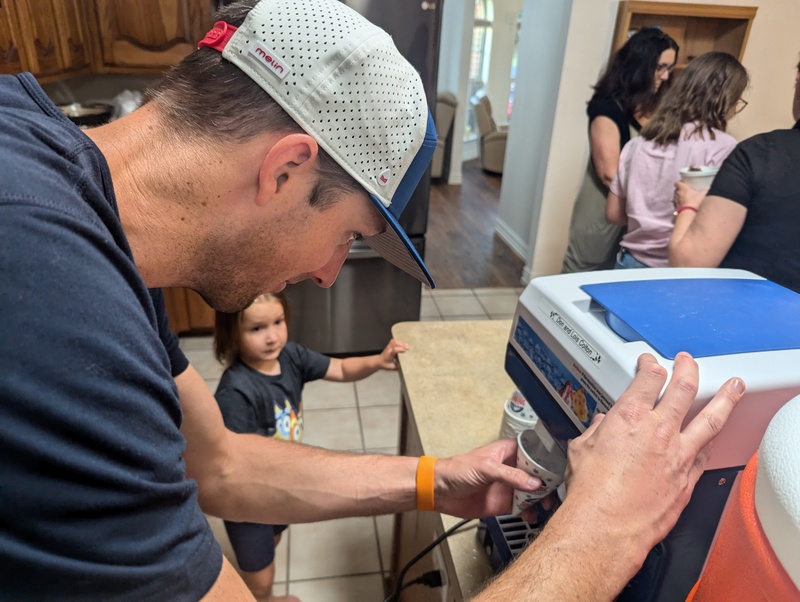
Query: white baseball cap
x=344, y=82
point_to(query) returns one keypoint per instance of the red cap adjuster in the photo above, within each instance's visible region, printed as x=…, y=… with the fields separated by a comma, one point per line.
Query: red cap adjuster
x=217, y=38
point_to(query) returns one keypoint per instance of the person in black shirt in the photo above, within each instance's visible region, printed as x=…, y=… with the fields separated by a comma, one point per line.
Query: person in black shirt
x=750, y=217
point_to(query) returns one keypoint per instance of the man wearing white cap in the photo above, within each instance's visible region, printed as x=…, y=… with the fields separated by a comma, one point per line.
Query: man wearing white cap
x=293, y=130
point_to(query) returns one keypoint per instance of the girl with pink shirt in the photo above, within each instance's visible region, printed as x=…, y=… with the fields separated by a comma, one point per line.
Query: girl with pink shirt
x=687, y=130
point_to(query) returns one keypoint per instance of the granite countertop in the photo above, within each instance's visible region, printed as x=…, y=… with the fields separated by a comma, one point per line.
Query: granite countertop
x=456, y=384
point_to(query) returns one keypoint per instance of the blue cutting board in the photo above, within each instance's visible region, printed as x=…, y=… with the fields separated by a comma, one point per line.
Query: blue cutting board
x=703, y=316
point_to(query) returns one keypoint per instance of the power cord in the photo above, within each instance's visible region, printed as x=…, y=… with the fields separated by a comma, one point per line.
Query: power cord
x=431, y=578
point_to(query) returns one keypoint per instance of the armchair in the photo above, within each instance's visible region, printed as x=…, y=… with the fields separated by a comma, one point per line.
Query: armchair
x=446, y=104
x=493, y=138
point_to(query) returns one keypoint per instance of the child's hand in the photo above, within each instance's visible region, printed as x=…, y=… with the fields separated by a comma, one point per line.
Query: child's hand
x=686, y=196
x=388, y=357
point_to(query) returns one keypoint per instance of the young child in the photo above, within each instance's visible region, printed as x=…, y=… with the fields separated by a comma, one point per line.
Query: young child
x=688, y=129
x=259, y=392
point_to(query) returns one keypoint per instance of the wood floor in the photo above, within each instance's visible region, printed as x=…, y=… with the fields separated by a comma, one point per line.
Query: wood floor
x=461, y=249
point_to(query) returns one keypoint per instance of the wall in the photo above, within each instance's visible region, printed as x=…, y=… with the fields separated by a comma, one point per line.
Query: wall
x=770, y=57
x=543, y=34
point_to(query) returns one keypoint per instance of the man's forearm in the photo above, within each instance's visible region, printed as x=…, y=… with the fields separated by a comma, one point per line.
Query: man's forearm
x=272, y=481
x=575, y=558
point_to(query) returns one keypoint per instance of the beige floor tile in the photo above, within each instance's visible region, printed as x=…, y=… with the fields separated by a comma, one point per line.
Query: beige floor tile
x=496, y=305
x=499, y=290
x=379, y=389
x=323, y=394
x=380, y=425
x=205, y=363
x=465, y=318
x=385, y=527
x=459, y=305
x=427, y=308
x=334, y=548
x=206, y=342
x=362, y=588
x=333, y=429
x=430, y=319
x=451, y=292
x=385, y=451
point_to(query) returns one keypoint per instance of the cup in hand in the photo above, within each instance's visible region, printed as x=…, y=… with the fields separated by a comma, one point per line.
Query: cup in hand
x=699, y=178
x=539, y=455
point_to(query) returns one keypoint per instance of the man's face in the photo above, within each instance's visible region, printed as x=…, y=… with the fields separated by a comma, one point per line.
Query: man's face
x=303, y=242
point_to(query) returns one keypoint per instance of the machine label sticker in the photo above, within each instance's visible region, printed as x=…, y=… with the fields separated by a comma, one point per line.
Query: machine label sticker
x=574, y=335
x=573, y=393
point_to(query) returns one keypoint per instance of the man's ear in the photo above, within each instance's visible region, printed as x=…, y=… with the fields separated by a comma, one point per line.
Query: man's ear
x=288, y=165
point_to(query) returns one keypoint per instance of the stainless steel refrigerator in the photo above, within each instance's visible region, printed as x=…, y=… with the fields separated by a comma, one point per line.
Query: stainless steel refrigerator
x=356, y=314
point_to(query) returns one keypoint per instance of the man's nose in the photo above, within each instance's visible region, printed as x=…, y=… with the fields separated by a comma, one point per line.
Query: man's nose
x=326, y=275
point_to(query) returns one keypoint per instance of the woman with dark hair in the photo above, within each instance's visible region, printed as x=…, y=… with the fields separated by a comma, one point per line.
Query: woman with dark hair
x=687, y=130
x=624, y=98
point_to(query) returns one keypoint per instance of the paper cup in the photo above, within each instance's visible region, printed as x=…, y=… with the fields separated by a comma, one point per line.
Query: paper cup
x=541, y=458
x=699, y=178
x=518, y=415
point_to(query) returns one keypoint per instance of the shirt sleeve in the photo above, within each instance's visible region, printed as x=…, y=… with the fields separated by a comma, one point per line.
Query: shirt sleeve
x=313, y=365
x=238, y=412
x=178, y=361
x=735, y=180
x=620, y=182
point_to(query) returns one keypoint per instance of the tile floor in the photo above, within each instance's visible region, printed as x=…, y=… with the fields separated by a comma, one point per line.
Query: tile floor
x=347, y=559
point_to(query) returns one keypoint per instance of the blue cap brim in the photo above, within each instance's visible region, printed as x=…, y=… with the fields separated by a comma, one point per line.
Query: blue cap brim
x=393, y=244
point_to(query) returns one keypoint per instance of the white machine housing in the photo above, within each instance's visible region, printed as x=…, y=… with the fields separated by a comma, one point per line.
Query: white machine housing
x=571, y=330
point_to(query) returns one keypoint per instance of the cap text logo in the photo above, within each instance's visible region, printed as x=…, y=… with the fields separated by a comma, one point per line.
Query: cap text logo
x=266, y=57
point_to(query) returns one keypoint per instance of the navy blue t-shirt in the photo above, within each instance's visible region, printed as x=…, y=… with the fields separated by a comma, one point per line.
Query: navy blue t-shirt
x=94, y=501
x=254, y=402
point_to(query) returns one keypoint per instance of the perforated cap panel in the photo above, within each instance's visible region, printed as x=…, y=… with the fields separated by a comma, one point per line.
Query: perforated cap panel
x=342, y=79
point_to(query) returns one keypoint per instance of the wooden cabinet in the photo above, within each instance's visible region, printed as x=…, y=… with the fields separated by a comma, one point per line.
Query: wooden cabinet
x=146, y=34
x=187, y=311
x=697, y=28
x=44, y=37
x=59, y=38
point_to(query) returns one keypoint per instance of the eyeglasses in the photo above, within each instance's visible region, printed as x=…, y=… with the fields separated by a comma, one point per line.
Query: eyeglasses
x=661, y=68
x=740, y=105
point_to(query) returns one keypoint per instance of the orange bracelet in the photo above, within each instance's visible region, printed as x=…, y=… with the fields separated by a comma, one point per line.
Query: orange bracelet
x=425, y=483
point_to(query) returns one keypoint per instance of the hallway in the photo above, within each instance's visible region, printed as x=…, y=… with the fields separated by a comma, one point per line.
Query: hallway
x=461, y=248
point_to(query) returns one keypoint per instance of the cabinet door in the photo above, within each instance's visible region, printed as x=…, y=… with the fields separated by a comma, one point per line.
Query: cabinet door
x=72, y=34
x=50, y=36
x=148, y=34
x=10, y=59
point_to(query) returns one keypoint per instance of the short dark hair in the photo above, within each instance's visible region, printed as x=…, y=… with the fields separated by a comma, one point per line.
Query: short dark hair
x=630, y=74
x=226, y=328
x=208, y=98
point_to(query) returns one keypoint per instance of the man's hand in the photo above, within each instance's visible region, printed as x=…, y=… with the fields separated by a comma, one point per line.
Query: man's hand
x=636, y=464
x=481, y=482
x=629, y=477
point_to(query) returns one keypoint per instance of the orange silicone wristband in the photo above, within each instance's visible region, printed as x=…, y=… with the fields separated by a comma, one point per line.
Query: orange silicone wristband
x=425, y=483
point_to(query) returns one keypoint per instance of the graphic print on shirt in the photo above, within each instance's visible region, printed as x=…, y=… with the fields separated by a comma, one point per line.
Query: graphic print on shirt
x=288, y=423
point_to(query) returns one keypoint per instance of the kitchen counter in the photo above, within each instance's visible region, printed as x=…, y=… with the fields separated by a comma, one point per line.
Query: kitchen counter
x=454, y=386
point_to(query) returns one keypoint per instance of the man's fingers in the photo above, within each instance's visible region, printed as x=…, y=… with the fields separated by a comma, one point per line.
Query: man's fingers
x=681, y=390
x=709, y=422
x=645, y=386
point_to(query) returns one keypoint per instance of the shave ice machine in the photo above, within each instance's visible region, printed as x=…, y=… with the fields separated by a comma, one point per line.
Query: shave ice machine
x=574, y=342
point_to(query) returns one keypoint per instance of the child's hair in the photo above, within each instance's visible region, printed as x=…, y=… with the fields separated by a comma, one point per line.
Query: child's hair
x=226, y=329
x=704, y=94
